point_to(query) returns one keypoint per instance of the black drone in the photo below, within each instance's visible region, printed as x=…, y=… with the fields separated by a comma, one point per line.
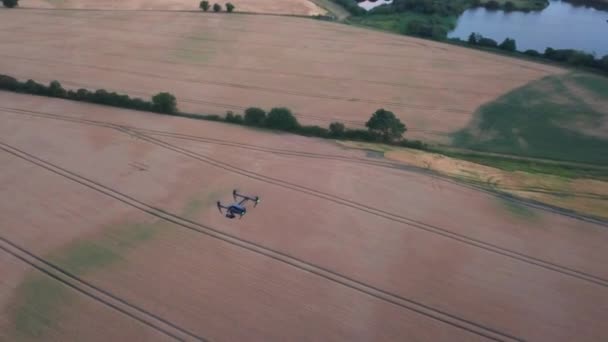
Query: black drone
x=237, y=208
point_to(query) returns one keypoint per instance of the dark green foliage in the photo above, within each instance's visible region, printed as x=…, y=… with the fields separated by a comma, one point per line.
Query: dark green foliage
x=386, y=124
x=474, y=38
x=164, y=103
x=9, y=83
x=439, y=7
x=604, y=63
x=532, y=53
x=10, y=3
x=255, y=116
x=336, y=129
x=361, y=135
x=508, y=45
x=204, y=5
x=425, y=29
x=509, y=6
x=236, y=119
x=56, y=90
x=492, y=5
x=229, y=7
x=417, y=144
x=313, y=131
x=487, y=42
x=217, y=7
x=281, y=119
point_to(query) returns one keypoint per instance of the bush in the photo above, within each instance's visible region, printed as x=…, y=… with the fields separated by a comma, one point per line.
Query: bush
x=9, y=83
x=509, y=6
x=229, y=7
x=492, y=5
x=281, y=119
x=164, y=103
x=361, y=134
x=508, y=45
x=603, y=63
x=487, y=42
x=217, y=7
x=236, y=119
x=313, y=131
x=32, y=87
x=386, y=124
x=336, y=129
x=255, y=116
x=204, y=5
x=10, y=3
x=417, y=144
x=474, y=38
x=532, y=53
x=425, y=29
x=56, y=90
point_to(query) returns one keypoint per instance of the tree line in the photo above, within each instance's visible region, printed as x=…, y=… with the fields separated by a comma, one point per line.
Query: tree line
x=567, y=56
x=160, y=103
x=383, y=126
x=10, y=3
x=206, y=5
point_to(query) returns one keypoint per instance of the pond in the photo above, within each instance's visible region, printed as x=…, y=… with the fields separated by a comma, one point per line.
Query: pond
x=369, y=4
x=561, y=26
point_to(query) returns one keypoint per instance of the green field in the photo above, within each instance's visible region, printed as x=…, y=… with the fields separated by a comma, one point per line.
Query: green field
x=558, y=117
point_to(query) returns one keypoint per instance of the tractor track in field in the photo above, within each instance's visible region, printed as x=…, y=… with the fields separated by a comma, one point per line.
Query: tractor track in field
x=471, y=183
x=378, y=293
x=411, y=223
x=97, y=294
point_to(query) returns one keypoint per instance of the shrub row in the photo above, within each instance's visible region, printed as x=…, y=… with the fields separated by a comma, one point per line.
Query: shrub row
x=160, y=103
x=206, y=5
x=383, y=126
x=567, y=56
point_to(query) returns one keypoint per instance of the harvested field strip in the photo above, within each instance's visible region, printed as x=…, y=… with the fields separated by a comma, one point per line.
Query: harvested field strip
x=378, y=293
x=400, y=41
x=261, y=89
x=266, y=71
x=433, y=229
x=100, y=295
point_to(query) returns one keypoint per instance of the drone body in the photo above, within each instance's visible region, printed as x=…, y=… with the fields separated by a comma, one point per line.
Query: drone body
x=237, y=208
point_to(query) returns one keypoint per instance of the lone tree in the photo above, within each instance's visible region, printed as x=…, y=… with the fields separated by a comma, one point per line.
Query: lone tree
x=10, y=3
x=255, y=116
x=281, y=119
x=204, y=5
x=386, y=124
x=217, y=7
x=229, y=7
x=508, y=45
x=164, y=103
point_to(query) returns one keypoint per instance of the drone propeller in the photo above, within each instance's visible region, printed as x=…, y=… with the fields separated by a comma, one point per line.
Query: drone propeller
x=219, y=207
x=257, y=200
x=234, y=193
